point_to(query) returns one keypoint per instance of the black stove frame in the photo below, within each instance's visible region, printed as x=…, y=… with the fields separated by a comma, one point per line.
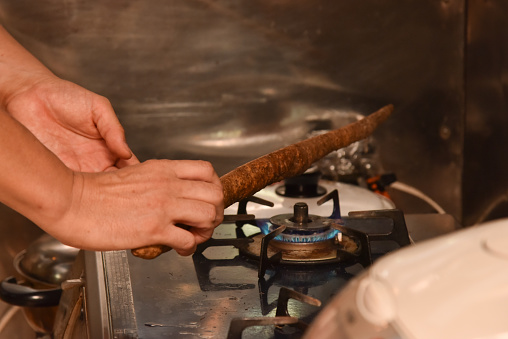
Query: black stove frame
x=377, y=232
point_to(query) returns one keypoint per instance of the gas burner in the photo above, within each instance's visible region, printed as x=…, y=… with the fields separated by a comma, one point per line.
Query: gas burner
x=291, y=253
x=301, y=227
x=303, y=239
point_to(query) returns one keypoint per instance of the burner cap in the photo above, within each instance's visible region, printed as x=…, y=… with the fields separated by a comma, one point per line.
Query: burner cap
x=302, y=186
x=301, y=220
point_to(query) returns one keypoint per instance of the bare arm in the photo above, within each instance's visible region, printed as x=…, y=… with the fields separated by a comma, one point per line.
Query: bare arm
x=19, y=68
x=130, y=207
x=66, y=166
x=79, y=126
x=34, y=181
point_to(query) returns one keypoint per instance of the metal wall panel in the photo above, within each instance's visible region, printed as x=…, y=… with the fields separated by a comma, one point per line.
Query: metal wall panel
x=227, y=81
x=485, y=180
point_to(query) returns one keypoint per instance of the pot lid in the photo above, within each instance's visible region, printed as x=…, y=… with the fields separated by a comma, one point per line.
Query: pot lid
x=46, y=260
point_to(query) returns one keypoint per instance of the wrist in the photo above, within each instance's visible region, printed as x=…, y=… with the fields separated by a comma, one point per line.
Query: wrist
x=18, y=81
x=19, y=69
x=53, y=205
x=34, y=181
x=76, y=222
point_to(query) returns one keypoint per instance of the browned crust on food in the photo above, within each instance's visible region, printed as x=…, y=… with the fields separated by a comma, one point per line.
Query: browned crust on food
x=287, y=162
x=295, y=159
x=150, y=252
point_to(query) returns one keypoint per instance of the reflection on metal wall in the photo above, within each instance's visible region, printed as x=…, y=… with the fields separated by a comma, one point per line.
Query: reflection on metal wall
x=228, y=81
x=485, y=181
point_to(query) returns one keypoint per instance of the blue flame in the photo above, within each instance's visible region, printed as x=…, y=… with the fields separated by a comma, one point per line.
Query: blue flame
x=264, y=225
x=297, y=237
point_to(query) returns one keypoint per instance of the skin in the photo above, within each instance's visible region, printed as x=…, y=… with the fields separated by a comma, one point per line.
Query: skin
x=66, y=166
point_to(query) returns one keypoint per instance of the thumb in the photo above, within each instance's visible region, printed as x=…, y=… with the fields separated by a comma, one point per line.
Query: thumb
x=111, y=130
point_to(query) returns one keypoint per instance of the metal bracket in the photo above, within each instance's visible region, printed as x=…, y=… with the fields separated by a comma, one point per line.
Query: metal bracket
x=263, y=257
x=363, y=255
x=336, y=206
x=282, y=304
x=239, y=324
x=281, y=318
x=398, y=234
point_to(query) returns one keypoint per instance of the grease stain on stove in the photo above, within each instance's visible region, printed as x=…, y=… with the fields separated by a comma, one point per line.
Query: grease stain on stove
x=189, y=325
x=197, y=335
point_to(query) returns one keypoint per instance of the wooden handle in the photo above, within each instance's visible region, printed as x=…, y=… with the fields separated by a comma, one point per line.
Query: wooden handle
x=286, y=162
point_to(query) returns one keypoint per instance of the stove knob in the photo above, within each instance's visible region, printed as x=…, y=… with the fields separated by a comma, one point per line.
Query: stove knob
x=375, y=302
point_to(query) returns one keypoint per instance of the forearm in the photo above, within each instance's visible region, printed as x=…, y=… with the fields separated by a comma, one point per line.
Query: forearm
x=127, y=208
x=34, y=181
x=18, y=68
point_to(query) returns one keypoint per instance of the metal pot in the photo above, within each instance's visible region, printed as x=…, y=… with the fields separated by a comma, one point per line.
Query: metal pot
x=41, y=269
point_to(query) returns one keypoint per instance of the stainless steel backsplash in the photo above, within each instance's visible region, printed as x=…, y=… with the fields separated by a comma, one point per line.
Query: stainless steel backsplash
x=228, y=81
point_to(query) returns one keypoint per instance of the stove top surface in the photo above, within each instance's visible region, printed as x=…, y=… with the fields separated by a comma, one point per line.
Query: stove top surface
x=200, y=296
x=221, y=289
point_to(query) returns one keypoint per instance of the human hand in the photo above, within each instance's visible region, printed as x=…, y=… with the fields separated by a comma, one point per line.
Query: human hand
x=131, y=207
x=77, y=125
x=141, y=205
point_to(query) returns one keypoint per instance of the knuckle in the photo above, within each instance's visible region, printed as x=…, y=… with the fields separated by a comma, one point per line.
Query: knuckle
x=159, y=170
x=151, y=163
x=103, y=100
x=206, y=167
x=210, y=213
x=188, y=245
x=218, y=193
x=184, y=253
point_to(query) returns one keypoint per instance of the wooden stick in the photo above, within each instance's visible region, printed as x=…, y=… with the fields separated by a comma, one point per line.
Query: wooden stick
x=286, y=162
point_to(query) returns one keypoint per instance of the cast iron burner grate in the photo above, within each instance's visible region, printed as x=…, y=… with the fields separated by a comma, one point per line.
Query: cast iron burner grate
x=371, y=234
x=353, y=243
x=280, y=321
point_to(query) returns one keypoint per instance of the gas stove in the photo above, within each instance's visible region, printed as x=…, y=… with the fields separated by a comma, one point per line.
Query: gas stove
x=268, y=271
